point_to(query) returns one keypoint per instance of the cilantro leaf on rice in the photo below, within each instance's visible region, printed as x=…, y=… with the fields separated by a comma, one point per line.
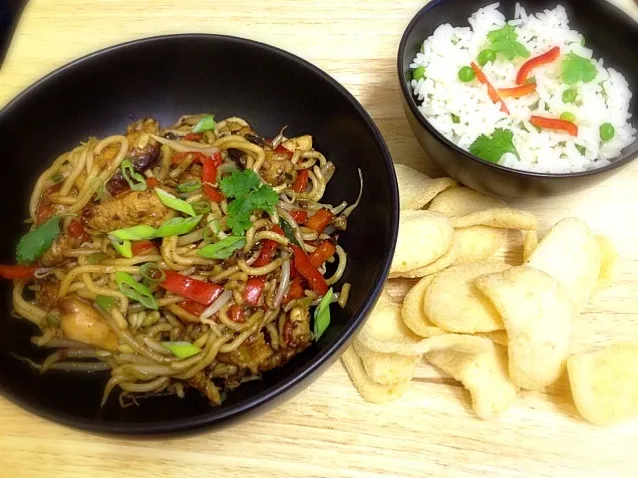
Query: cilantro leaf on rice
x=577, y=68
x=493, y=148
x=505, y=41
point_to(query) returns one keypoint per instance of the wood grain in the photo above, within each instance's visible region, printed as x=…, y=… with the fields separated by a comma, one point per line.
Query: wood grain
x=328, y=430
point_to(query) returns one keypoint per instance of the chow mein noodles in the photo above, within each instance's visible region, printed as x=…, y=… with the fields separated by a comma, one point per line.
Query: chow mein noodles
x=195, y=256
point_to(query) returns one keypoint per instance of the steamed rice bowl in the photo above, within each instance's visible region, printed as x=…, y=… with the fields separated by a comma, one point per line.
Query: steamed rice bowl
x=573, y=115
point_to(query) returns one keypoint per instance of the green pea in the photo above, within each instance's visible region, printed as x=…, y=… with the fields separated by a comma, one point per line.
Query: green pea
x=486, y=56
x=569, y=96
x=455, y=119
x=607, y=131
x=418, y=73
x=567, y=116
x=466, y=74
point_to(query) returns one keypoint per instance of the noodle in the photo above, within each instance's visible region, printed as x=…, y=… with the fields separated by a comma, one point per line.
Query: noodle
x=231, y=310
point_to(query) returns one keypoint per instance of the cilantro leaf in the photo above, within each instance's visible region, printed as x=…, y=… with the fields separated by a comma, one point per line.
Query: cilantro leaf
x=505, y=41
x=239, y=183
x=249, y=195
x=576, y=68
x=493, y=148
x=35, y=243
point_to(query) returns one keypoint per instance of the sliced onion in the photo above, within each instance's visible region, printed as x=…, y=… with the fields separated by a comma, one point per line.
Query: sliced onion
x=283, y=284
x=217, y=304
x=182, y=146
x=356, y=203
x=42, y=272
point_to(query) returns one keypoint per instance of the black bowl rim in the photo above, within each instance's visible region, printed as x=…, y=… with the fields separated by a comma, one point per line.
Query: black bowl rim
x=218, y=415
x=407, y=93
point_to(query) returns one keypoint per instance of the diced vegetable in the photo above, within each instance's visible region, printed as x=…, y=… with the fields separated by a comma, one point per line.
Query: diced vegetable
x=189, y=186
x=324, y=251
x=466, y=74
x=152, y=273
x=35, y=243
x=181, y=349
x=177, y=226
x=555, y=124
x=105, y=302
x=607, y=131
x=237, y=314
x=135, y=290
x=301, y=181
x=222, y=249
x=17, y=272
x=194, y=137
x=308, y=271
x=152, y=183
x=319, y=220
x=209, y=177
x=122, y=247
x=486, y=56
x=299, y=216
x=174, y=203
x=207, y=123
x=192, y=307
x=491, y=91
x=418, y=73
x=138, y=247
x=322, y=315
x=567, y=116
x=296, y=290
x=547, y=57
x=76, y=230
x=135, y=233
x=254, y=289
x=135, y=180
x=193, y=289
x=569, y=95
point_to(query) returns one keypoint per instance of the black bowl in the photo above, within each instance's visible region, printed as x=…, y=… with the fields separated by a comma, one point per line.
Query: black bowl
x=167, y=77
x=610, y=32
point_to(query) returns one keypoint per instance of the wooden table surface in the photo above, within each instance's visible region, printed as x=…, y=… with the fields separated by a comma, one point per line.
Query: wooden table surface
x=328, y=430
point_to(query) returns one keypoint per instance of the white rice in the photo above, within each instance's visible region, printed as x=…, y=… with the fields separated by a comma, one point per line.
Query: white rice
x=442, y=94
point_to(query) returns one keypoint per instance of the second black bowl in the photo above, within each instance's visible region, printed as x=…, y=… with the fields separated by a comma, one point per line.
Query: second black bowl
x=610, y=32
x=166, y=77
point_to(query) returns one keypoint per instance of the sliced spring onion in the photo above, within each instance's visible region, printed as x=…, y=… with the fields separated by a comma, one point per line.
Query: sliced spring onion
x=181, y=350
x=322, y=315
x=135, y=233
x=152, y=273
x=53, y=320
x=171, y=201
x=97, y=184
x=123, y=248
x=135, y=180
x=96, y=258
x=189, y=186
x=207, y=123
x=135, y=290
x=178, y=226
x=222, y=249
x=105, y=302
x=56, y=178
x=201, y=207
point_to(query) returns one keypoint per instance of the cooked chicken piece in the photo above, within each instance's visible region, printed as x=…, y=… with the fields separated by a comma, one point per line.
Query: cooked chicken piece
x=296, y=331
x=55, y=254
x=81, y=322
x=276, y=167
x=252, y=354
x=47, y=295
x=206, y=387
x=131, y=209
x=303, y=143
x=143, y=152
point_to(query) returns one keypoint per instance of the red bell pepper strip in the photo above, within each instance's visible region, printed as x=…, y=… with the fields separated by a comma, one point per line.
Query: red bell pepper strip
x=308, y=271
x=152, y=183
x=17, y=272
x=319, y=220
x=189, y=288
x=301, y=181
x=268, y=249
x=296, y=290
x=300, y=217
x=194, y=136
x=281, y=149
x=517, y=91
x=537, y=61
x=192, y=307
x=45, y=209
x=237, y=314
x=138, y=247
x=490, y=89
x=209, y=176
x=254, y=289
x=554, y=123
x=322, y=253
x=193, y=155
x=76, y=230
